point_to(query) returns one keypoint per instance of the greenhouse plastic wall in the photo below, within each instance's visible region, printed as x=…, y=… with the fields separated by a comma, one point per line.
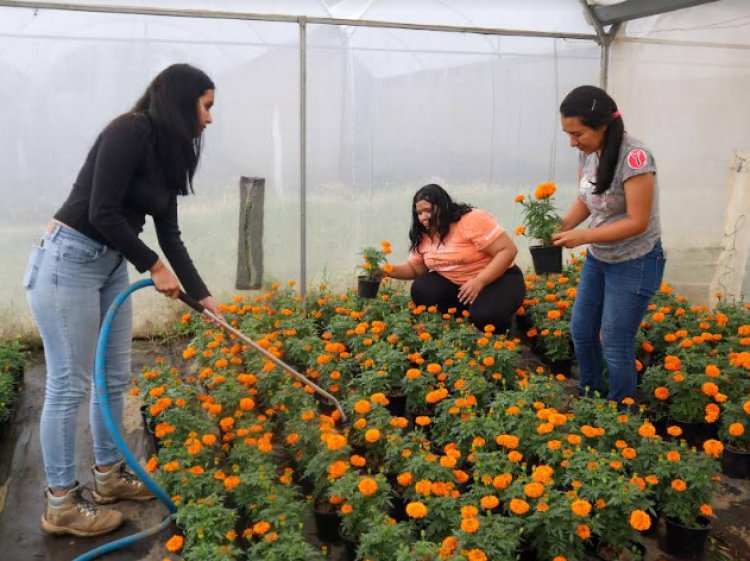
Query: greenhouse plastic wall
x=681, y=80
x=67, y=74
x=388, y=110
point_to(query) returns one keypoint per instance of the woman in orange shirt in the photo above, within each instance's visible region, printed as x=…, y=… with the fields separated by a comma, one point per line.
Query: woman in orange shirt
x=460, y=258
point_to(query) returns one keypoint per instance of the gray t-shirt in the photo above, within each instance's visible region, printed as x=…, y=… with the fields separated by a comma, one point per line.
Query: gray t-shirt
x=634, y=159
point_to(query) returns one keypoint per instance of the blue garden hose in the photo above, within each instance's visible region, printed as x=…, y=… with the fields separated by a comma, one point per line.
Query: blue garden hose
x=100, y=382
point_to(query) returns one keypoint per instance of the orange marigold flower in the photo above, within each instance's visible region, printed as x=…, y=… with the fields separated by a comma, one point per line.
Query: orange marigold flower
x=404, y=479
x=736, y=429
x=470, y=525
x=545, y=190
x=502, y=481
x=519, y=506
x=673, y=456
x=476, y=555
x=580, y=507
x=261, y=527
x=489, y=502
x=713, y=447
x=679, y=485
x=416, y=510
x=175, y=543
x=583, y=531
x=533, y=490
x=367, y=486
x=640, y=520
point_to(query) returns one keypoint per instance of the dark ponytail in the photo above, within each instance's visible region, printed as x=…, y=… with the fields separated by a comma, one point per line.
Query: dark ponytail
x=596, y=108
x=171, y=102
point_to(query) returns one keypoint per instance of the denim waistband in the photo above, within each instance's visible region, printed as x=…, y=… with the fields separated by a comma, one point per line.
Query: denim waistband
x=62, y=232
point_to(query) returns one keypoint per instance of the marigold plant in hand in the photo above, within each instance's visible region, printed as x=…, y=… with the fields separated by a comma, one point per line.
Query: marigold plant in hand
x=540, y=217
x=375, y=261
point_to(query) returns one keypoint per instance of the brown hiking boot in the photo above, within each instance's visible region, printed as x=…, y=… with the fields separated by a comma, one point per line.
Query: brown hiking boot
x=118, y=484
x=78, y=516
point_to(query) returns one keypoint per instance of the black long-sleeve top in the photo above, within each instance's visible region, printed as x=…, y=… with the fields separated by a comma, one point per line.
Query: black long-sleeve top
x=119, y=184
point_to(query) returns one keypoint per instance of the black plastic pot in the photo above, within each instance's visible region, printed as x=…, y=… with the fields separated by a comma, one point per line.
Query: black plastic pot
x=636, y=552
x=367, y=288
x=307, y=485
x=397, y=405
x=684, y=541
x=695, y=434
x=327, y=525
x=735, y=463
x=398, y=509
x=527, y=552
x=351, y=546
x=561, y=367
x=547, y=259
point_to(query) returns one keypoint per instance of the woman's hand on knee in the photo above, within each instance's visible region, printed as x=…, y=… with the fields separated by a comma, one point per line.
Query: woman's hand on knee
x=469, y=291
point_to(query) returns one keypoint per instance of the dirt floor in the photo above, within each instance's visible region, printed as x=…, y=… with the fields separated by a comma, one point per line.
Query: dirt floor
x=22, y=484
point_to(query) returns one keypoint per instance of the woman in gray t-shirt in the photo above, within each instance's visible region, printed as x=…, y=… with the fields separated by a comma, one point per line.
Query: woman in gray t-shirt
x=618, y=192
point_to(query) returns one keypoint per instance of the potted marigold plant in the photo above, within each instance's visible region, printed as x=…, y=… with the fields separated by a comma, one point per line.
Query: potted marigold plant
x=687, y=482
x=735, y=434
x=540, y=221
x=686, y=391
x=366, y=499
x=373, y=269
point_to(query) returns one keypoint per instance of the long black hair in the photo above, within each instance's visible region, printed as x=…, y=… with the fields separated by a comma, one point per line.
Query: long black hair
x=171, y=101
x=444, y=213
x=596, y=108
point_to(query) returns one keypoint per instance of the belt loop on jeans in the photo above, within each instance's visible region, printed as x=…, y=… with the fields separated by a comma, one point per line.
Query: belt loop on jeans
x=55, y=231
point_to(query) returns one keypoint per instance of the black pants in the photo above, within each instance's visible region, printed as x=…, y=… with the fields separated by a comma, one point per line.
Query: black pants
x=495, y=305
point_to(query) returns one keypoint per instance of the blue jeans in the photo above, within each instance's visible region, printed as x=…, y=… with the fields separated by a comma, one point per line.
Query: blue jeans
x=70, y=282
x=608, y=310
